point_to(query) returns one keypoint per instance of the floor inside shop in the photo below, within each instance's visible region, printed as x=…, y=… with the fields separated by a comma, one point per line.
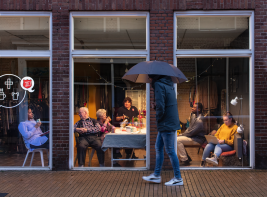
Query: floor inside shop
x=17, y=159
x=193, y=152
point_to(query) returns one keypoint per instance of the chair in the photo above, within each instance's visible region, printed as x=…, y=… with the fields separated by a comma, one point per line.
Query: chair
x=40, y=150
x=91, y=151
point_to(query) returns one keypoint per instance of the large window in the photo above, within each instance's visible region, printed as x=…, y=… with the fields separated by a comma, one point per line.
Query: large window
x=219, y=32
x=110, y=32
x=219, y=81
x=24, y=33
x=25, y=90
x=100, y=59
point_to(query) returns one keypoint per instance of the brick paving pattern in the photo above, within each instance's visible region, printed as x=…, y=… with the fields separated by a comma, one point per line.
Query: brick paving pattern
x=130, y=183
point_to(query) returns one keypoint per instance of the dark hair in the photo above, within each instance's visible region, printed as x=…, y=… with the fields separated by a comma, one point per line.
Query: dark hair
x=127, y=99
x=229, y=115
x=199, y=106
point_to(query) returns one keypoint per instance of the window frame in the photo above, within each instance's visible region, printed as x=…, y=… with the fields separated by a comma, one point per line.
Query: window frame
x=113, y=53
x=208, y=53
x=34, y=54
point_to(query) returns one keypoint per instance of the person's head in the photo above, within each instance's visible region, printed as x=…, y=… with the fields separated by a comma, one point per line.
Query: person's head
x=127, y=102
x=153, y=79
x=30, y=114
x=197, y=108
x=84, y=113
x=228, y=119
x=101, y=114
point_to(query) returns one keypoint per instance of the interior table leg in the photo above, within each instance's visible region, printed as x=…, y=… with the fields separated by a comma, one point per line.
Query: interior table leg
x=111, y=157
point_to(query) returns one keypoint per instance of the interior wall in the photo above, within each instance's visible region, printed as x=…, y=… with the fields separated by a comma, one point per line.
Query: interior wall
x=187, y=66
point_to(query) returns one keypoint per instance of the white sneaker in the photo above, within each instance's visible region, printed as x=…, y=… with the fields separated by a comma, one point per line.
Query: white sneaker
x=213, y=160
x=174, y=182
x=152, y=178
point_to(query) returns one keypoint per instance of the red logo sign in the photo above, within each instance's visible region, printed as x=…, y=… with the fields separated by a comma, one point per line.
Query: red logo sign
x=27, y=83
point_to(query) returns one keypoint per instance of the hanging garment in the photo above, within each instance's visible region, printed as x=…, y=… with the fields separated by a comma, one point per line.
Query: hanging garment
x=45, y=89
x=205, y=87
x=40, y=91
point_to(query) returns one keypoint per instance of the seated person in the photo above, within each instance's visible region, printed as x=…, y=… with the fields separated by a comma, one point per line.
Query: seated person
x=127, y=111
x=103, y=120
x=88, y=130
x=194, y=134
x=31, y=133
x=225, y=136
x=106, y=127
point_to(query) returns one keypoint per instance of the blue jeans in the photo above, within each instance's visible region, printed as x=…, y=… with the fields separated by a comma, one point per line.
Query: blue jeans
x=217, y=148
x=166, y=139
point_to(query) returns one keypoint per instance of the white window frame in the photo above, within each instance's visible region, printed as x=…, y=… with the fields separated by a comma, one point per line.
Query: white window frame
x=209, y=53
x=113, y=53
x=34, y=54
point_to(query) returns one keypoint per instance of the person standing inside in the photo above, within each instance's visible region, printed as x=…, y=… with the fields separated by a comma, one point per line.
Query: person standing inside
x=167, y=123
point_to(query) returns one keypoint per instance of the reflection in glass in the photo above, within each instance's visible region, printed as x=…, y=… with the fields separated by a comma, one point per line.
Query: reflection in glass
x=212, y=32
x=214, y=82
x=24, y=116
x=110, y=33
x=99, y=88
x=24, y=33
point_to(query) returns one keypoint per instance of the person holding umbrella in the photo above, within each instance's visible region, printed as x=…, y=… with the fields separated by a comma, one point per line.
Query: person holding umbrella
x=167, y=123
x=161, y=75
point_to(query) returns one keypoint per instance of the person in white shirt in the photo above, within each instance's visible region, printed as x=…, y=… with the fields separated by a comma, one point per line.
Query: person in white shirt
x=32, y=134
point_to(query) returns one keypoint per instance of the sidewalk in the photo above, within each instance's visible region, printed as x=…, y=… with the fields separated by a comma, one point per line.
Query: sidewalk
x=130, y=183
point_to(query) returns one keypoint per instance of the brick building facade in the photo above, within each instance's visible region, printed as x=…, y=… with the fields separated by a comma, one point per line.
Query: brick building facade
x=161, y=48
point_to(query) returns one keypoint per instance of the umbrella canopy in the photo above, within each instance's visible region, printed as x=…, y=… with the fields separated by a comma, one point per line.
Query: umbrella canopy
x=139, y=73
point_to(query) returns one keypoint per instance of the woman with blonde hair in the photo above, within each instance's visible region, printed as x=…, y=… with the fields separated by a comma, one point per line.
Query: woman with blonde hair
x=225, y=137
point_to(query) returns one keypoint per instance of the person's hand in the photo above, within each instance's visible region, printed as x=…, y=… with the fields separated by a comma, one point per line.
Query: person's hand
x=113, y=130
x=38, y=124
x=153, y=104
x=221, y=141
x=107, y=120
x=84, y=130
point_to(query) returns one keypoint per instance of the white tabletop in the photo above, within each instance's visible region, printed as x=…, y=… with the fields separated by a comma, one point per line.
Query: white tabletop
x=118, y=131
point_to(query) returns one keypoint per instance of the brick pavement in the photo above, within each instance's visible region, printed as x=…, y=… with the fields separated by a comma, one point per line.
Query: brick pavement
x=129, y=183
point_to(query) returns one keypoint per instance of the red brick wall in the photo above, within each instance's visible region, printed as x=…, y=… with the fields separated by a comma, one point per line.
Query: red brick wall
x=161, y=27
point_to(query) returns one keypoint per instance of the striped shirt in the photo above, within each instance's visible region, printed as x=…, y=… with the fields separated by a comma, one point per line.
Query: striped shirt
x=91, y=126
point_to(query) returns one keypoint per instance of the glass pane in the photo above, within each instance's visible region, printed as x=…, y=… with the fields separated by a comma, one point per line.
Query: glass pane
x=110, y=33
x=212, y=84
x=23, y=101
x=212, y=32
x=98, y=86
x=24, y=33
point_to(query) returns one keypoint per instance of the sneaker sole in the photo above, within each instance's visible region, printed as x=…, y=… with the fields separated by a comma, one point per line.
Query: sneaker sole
x=180, y=183
x=153, y=181
x=212, y=162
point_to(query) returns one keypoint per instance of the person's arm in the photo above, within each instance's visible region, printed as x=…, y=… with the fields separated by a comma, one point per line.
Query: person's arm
x=25, y=132
x=218, y=132
x=119, y=116
x=194, y=129
x=160, y=100
x=230, y=141
x=76, y=127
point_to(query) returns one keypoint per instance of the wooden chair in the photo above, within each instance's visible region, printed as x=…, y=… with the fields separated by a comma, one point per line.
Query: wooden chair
x=90, y=150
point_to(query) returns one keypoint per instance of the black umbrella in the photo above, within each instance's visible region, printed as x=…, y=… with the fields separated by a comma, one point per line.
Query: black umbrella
x=139, y=73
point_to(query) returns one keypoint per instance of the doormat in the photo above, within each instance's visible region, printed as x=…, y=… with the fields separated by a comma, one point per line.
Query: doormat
x=3, y=194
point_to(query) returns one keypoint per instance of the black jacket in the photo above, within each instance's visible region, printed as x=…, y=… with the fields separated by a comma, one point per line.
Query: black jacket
x=166, y=105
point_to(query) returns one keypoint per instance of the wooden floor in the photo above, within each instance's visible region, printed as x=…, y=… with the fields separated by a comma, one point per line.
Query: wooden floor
x=129, y=183
x=18, y=159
